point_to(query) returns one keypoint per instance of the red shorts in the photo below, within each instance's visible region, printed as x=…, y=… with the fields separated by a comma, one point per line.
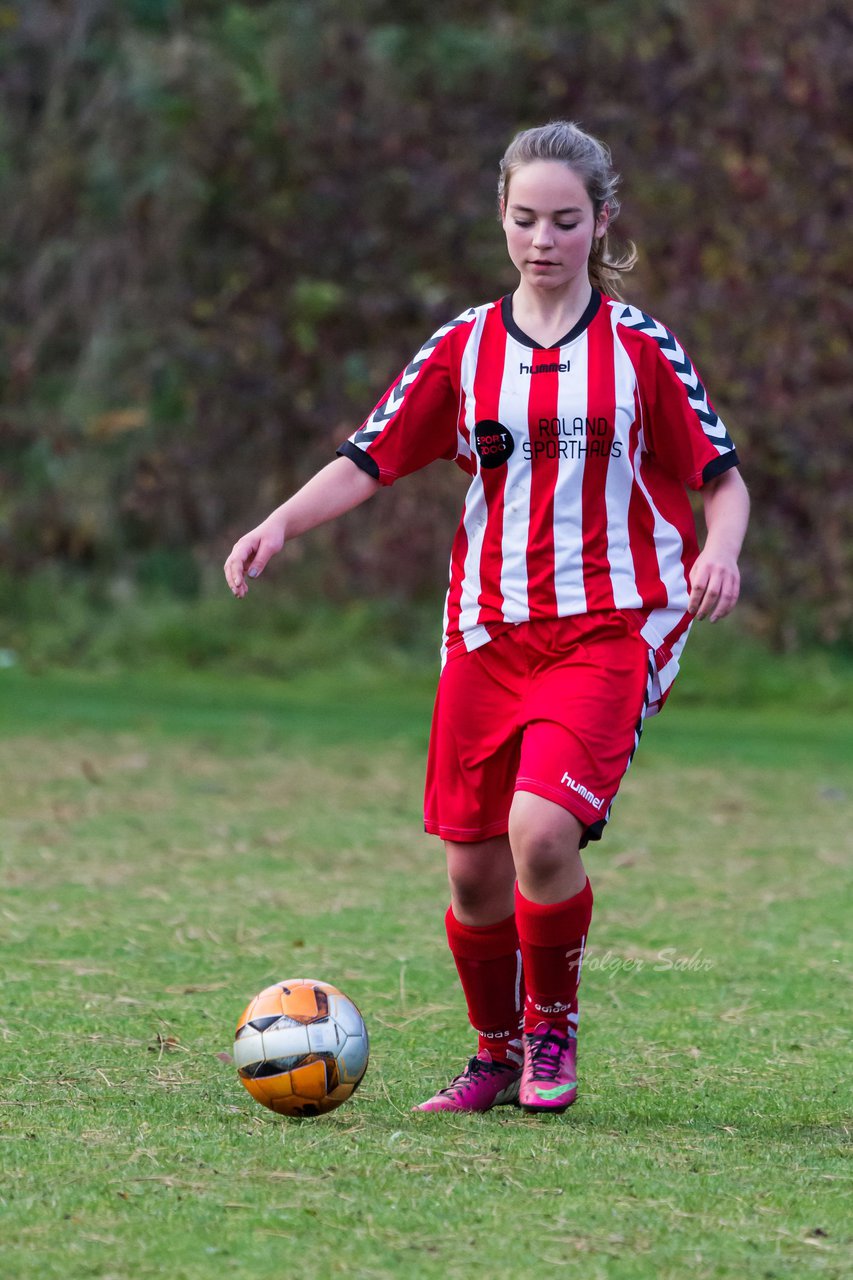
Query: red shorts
x=554, y=707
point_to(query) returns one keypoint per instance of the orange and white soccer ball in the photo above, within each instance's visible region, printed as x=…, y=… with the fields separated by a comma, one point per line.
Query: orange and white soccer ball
x=301, y=1047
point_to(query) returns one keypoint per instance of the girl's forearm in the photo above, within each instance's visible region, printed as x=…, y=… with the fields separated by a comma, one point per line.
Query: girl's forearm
x=726, y=502
x=338, y=488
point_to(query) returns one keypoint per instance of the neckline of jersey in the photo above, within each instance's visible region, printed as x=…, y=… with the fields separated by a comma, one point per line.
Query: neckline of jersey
x=575, y=332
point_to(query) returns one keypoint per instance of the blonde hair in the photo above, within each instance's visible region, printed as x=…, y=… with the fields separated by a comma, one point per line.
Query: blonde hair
x=590, y=159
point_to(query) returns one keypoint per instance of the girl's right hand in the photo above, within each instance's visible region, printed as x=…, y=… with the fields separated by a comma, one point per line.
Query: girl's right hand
x=339, y=487
x=251, y=553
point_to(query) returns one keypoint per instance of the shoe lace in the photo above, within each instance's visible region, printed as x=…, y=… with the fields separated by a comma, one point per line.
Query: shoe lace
x=546, y=1055
x=476, y=1067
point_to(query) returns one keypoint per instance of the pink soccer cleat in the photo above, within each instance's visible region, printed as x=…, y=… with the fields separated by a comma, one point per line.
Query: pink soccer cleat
x=482, y=1085
x=549, y=1079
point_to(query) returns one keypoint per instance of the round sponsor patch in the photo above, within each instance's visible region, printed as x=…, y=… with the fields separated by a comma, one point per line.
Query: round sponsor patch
x=493, y=442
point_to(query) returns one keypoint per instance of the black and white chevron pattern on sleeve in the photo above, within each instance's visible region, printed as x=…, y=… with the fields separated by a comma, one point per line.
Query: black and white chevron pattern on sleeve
x=713, y=427
x=375, y=424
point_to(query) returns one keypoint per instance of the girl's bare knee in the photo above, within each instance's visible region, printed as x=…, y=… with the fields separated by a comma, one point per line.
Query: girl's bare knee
x=482, y=879
x=546, y=849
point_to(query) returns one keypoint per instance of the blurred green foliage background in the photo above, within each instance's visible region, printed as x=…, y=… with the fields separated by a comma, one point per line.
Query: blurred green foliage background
x=225, y=226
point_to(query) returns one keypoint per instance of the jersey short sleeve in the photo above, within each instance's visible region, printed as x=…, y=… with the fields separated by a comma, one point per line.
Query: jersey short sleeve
x=683, y=431
x=416, y=421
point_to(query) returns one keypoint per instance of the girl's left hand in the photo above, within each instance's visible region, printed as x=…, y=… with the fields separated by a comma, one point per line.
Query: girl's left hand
x=714, y=585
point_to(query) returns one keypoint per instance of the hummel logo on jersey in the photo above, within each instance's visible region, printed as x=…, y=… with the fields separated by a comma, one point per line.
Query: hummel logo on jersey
x=564, y=367
x=582, y=791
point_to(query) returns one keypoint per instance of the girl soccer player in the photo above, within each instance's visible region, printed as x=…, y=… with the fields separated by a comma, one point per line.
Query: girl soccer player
x=575, y=575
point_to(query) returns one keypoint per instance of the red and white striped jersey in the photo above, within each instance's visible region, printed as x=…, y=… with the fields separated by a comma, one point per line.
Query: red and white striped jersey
x=580, y=457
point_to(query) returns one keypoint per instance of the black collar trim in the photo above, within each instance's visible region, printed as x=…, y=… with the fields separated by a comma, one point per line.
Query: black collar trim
x=519, y=335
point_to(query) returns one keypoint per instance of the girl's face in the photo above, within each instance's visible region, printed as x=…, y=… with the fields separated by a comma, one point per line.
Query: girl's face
x=550, y=225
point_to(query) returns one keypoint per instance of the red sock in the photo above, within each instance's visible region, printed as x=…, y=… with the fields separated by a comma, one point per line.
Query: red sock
x=489, y=965
x=552, y=938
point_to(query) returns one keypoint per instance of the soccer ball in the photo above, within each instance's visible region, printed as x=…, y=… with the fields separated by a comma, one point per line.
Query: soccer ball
x=301, y=1047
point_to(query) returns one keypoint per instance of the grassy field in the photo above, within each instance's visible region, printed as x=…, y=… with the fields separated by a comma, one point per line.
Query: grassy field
x=169, y=847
